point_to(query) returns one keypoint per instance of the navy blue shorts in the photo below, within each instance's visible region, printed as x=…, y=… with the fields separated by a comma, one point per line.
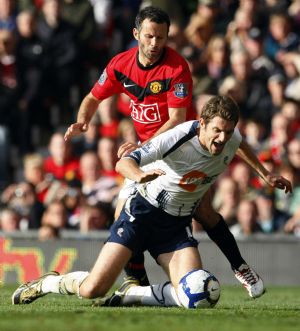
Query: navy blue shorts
x=152, y=229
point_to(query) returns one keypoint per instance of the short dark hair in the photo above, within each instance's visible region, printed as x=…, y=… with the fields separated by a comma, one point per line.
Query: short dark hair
x=222, y=106
x=154, y=14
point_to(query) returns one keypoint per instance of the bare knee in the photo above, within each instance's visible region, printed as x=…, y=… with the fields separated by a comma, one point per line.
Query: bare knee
x=91, y=290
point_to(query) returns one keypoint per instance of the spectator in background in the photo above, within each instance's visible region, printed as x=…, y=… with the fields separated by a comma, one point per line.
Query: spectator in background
x=242, y=175
x=22, y=198
x=55, y=215
x=176, y=37
x=7, y=15
x=60, y=60
x=257, y=103
x=47, y=232
x=293, y=153
x=80, y=14
x=61, y=163
x=238, y=29
x=226, y=199
x=283, y=202
x=9, y=84
x=254, y=45
x=293, y=201
x=73, y=199
x=107, y=154
x=294, y=12
x=126, y=131
x=235, y=89
x=214, y=11
x=278, y=138
x=216, y=59
x=291, y=110
x=276, y=86
x=281, y=38
x=34, y=173
x=29, y=60
x=254, y=133
x=88, y=141
x=198, y=32
x=108, y=118
x=270, y=218
x=94, y=218
x=9, y=220
x=291, y=66
x=247, y=219
x=202, y=83
x=96, y=187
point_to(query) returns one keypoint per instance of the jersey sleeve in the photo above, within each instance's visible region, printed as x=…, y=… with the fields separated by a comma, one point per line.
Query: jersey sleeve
x=107, y=85
x=160, y=146
x=180, y=93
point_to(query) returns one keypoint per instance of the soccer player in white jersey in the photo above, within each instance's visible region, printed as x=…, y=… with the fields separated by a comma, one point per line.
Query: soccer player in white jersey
x=157, y=218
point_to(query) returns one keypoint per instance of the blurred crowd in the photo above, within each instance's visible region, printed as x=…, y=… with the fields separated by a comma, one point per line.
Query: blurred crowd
x=53, y=51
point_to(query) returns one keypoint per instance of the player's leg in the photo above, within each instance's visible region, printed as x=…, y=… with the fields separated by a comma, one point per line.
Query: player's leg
x=175, y=264
x=135, y=268
x=162, y=294
x=107, y=268
x=218, y=231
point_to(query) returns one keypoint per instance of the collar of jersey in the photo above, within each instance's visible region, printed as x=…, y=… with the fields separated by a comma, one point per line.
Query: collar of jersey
x=152, y=65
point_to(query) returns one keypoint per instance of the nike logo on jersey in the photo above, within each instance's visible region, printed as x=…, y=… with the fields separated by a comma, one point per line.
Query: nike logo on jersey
x=128, y=85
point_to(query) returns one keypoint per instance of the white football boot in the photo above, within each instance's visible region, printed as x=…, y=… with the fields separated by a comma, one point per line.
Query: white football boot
x=29, y=292
x=250, y=280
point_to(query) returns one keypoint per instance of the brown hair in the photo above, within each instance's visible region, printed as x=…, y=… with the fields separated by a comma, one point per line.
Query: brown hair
x=222, y=106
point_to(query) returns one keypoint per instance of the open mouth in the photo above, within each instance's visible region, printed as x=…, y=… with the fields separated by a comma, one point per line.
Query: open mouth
x=218, y=146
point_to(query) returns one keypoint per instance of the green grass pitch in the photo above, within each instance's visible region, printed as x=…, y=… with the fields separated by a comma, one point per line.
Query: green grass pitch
x=277, y=310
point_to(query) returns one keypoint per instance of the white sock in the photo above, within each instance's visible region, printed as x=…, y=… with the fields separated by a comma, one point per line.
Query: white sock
x=51, y=284
x=155, y=295
x=64, y=284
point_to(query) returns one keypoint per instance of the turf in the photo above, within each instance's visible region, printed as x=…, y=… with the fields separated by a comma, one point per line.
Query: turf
x=277, y=310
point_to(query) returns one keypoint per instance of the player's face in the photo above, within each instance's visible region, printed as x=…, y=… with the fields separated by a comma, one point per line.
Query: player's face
x=152, y=39
x=215, y=134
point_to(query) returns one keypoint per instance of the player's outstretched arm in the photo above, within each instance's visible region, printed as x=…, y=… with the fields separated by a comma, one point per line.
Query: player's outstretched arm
x=129, y=168
x=276, y=181
x=86, y=111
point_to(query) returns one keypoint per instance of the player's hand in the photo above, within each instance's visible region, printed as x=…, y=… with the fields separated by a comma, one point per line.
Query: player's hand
x=147, y=176
x=279, y=182
x=126, y=149
x=75, y=130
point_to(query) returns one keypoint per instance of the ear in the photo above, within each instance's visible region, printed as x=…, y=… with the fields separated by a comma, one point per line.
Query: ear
x=202, y=122
x=136, y=33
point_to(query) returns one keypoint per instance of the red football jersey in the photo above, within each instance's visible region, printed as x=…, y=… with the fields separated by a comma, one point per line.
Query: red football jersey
x=153, y=90
x=67, y=171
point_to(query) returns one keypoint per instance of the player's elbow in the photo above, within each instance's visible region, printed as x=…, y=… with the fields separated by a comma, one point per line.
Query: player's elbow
x=118, y=166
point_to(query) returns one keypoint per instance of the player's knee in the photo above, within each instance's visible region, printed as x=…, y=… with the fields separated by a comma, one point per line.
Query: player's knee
x=90, y=290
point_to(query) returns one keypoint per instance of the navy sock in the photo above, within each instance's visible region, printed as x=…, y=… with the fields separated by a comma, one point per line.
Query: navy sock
x=224, y=239
x=136, y=268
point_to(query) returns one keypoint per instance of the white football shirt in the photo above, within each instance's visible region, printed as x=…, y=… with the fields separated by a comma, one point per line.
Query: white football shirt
x=190, y=169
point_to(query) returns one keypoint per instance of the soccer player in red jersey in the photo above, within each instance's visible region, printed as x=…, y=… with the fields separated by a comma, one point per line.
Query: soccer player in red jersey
x=158, y=81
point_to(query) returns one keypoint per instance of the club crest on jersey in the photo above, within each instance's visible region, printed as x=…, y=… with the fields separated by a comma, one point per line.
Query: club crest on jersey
x=145, y=113
x=103, y=77
x=181, y=90
x=155, y=87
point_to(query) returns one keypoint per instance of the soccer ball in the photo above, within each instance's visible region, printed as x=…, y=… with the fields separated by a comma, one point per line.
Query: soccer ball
x=199, y=289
